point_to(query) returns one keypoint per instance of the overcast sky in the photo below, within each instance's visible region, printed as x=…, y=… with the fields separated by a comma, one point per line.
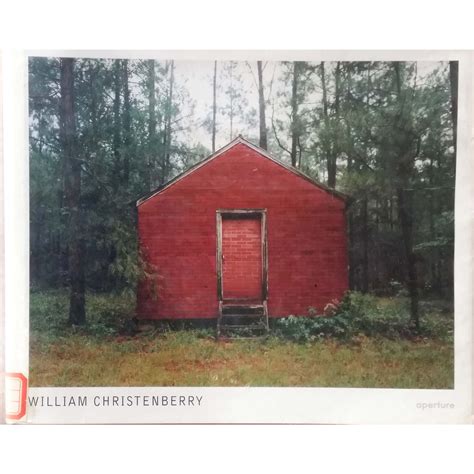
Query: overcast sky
x=196, y=77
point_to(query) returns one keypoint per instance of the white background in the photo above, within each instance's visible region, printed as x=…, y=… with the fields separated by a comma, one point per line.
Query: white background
x=245, y=24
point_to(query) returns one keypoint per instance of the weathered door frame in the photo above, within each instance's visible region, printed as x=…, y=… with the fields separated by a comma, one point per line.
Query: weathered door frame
x=262, y=214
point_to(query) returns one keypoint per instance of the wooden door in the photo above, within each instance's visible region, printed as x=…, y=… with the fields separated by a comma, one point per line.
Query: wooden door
x=242, y=258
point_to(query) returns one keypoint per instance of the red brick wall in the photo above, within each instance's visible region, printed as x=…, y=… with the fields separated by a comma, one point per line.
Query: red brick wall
x=242, y=258
x=307, y=252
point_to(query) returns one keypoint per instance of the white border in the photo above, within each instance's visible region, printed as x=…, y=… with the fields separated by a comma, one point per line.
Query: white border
x=240, y=405
x=16, y=212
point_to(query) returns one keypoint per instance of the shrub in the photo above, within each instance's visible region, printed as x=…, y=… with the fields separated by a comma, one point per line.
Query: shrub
x=303, y=329
x=362, y=314
x=106, y=314
x=356, y=315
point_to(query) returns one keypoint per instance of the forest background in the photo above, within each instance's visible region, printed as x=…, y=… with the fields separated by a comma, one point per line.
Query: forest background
x=104, y=132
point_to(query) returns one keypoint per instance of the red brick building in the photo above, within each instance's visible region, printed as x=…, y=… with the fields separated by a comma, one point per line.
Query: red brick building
x=241, y=229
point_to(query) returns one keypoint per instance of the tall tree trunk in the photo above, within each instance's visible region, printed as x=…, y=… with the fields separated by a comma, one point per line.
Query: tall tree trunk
x=406, y=220
x=231, y=113
x=435, y=286
x=332, y=165
x=330, y=160
x=95, y=96
x=261, y=107
x=151, y=124
x=365, y=245
x=350, y=164
x=351, y=234
x=454, y=79
x=127, y=123
x=214, y=107
x=404, y=170
x=294, y=114
x=117, y=143
x=72, y=192
x=36, y=240
x=167, y=137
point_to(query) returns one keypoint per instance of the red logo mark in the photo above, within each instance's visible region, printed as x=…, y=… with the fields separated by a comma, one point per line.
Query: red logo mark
x=15, y=391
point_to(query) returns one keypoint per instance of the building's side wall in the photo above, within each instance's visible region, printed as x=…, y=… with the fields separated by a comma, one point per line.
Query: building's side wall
x=307, y=248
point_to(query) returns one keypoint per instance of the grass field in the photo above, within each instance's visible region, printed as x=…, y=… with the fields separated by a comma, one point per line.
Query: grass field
x=98, y=356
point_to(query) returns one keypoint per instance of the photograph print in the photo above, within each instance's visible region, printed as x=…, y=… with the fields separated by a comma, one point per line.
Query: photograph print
x=241, y=223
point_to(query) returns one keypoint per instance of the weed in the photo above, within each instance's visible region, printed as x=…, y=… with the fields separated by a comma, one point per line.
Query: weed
x=365, y=343
x=360, y=314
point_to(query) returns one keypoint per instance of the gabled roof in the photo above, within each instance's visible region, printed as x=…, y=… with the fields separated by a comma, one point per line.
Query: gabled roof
x=261, y=151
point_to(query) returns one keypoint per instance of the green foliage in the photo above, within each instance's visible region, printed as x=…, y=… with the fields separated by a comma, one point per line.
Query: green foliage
x=107, y=314
x=357, y=315
x=114, y=139
x=365, y=315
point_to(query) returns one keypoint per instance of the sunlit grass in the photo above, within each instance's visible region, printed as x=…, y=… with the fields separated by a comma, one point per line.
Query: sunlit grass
x=183, y=359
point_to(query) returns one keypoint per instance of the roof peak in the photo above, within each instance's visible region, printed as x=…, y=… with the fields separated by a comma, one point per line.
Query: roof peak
x=239, y=139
